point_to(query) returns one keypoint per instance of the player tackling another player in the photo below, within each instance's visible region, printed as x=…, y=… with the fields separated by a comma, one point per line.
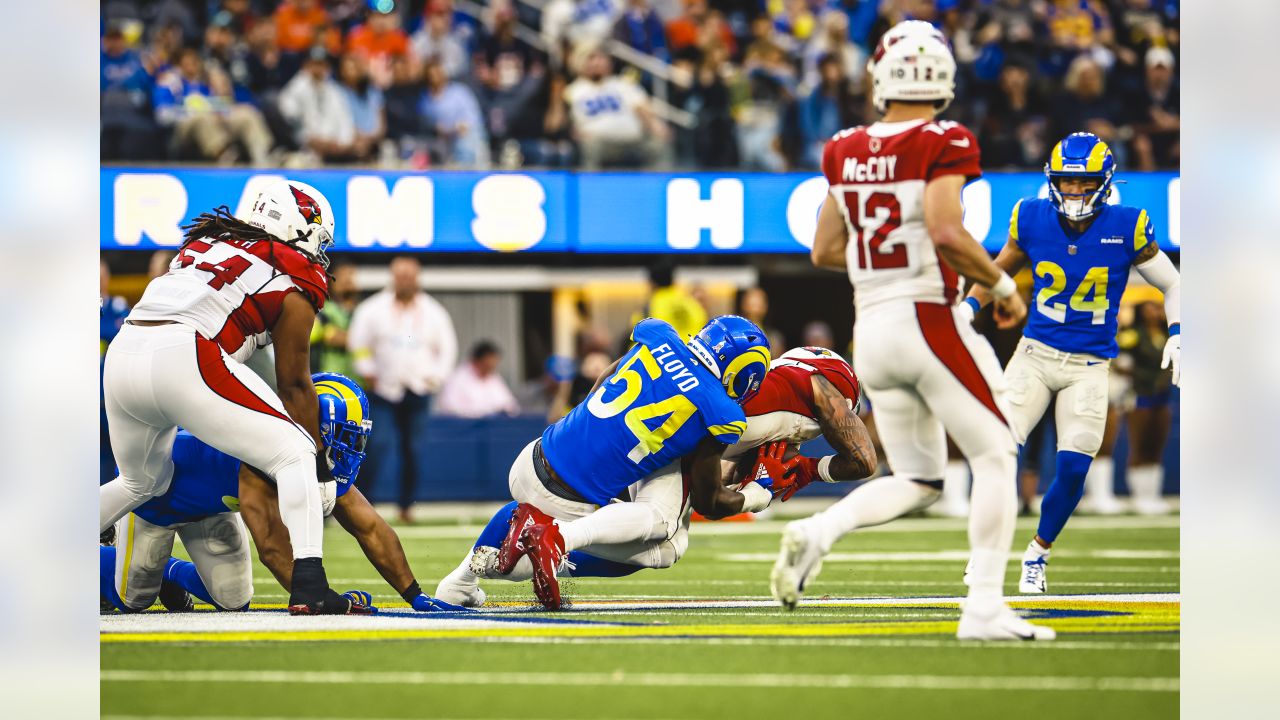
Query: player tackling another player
x=210, y=493
x=237, y=284
x=1080, y=249
x=892, y=220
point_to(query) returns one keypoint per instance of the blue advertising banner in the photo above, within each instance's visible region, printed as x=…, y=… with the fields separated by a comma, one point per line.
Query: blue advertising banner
x=143, y=208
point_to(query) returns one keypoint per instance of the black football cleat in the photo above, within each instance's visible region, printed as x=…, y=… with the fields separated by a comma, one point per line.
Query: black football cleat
x=174, y=598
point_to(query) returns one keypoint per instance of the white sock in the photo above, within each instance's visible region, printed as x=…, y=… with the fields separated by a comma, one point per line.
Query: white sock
x=614, y=524
x=874, y=503
x=462, y=574
x=992, y=515
x=955, y=487
x=1146, y=483
x=1035, y=550
x=1099, y=484
x=300, y=509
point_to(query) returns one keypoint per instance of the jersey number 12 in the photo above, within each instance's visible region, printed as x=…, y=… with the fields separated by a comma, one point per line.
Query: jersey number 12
x=872, y=216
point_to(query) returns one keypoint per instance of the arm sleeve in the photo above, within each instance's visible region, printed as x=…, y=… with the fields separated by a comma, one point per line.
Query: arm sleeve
x=1013, y=224
x=1160, y=272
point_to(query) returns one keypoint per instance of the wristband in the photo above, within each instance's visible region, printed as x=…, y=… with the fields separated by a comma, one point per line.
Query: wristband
x=1004, y=287
x=824, y=468
x=973, y=303
x=755, y=497
x=411, y=592
x=1175, y=329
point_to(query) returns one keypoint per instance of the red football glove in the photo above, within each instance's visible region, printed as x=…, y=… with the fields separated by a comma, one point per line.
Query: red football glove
x=801, y=471
x=769, y=470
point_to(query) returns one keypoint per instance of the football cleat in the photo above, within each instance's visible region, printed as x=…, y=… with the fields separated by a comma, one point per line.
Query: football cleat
x=457, y=589
x=108, y=537
x=175, y=598
x=1034, y=568
x=999, y=623
x=545, y=547
x=484, y=562
x=513, y=547
x=799, y=562
x=352, y=602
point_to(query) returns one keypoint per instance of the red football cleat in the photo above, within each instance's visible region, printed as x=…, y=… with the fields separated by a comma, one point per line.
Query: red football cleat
x=545, y=547
x=513, y=547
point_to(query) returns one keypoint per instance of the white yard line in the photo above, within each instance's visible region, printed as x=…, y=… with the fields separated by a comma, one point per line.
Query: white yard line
x=910, y=643
x=666, y=680
x=946, y=555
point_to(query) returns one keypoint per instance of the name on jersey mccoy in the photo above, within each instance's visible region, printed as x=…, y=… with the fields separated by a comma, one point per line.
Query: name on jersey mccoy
x=874, y=169
x=674, y=367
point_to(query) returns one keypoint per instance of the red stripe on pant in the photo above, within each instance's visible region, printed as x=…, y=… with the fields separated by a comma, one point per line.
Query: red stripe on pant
x=938, y=326
x=218, y=378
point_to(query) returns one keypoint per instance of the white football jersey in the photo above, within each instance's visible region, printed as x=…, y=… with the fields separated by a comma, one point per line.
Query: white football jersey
x=231, y=291
x=877, y=175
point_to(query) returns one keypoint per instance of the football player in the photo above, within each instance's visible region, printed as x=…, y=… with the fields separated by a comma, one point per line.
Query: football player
x=607, y=478
x=205, y=504
x=893, y=221
x=1080, y=249
x=235, y=285
x=807, y=392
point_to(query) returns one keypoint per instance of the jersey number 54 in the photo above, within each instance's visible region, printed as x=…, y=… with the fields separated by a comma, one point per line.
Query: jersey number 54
x=677, y=408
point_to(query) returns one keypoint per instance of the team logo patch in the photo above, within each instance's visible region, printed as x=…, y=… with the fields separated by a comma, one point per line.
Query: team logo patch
x=307, y=205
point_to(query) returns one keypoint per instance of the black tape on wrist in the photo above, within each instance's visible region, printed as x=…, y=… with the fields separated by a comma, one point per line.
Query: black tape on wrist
x=411, y=592
x=309, y=583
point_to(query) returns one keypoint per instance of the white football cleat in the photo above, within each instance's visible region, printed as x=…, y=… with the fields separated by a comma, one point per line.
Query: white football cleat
x=1034, y=569
x=1002, y=624
x=799, y=562
x=460, y=586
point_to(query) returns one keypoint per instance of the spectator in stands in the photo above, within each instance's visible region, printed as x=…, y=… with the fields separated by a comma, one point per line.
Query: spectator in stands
x=713, y=142
x=128, y=129
x=1155, y=114
x=641, y=28
x=267, y=70
x=224, y=52
x=794, y=22
x=378, y=39
x=434, y=39
x=401, y=106
x=158, y=263
x=671, y=302
x=450, y=109
x=304, y=24
x=367, y=106
x=317, y=107
x=213, y=126
x=690, y=29
x=475, y=389
x=833, y=41
x=404, y=346
x=753, y=305
x=1012, y=131
x=243, y=15
x=577, y=23
x=1077, y=29
x=1150, y=418
x=1087, y=107
x=818, y=334
x=829, y=108
x=503, y=60
x=613, y=123
x=329, y=352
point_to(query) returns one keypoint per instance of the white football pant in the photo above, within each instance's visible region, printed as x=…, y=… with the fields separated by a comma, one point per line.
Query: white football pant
x=218, y=545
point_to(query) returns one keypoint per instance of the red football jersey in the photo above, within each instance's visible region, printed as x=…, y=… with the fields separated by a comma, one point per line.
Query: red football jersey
x=878, y=174
x=232, y=291
x=784, y=407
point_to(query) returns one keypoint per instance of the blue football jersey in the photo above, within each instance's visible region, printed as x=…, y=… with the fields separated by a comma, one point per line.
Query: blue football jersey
x=205, y=482
x=655, y=408
x=1079, y=278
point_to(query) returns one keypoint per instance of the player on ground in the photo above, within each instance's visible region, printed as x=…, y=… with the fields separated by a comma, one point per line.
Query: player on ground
x=237, y=284
x=808, y=391
x=607, y=478
x=892, y=219
x=1080, y=249
x=201, y=505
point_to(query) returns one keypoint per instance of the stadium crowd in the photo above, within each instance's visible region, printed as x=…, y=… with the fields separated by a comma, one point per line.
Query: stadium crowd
x=748, y=84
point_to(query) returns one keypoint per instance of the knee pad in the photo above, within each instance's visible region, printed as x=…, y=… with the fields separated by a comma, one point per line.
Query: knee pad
x=930, y=491
x=232, y=596
x=1081, y=441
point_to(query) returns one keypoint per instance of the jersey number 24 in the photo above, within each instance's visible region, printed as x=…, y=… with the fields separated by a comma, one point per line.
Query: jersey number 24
x=677, y=408
x=1094, y=284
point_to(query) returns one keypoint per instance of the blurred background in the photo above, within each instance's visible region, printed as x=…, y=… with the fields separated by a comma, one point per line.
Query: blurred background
x=537, y=175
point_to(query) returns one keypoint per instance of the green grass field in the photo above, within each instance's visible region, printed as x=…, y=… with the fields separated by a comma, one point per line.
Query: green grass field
x=696, y=640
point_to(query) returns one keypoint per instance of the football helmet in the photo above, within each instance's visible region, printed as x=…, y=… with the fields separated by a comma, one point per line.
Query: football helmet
x=1080, y=155
x=298, y=215
x=736, y=351
x=344, y=423
x=912, y=61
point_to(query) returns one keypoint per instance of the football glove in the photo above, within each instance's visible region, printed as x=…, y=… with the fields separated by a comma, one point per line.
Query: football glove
x=767, y=470
x=425, y=603
x=1173, y=358
x=800, y=471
